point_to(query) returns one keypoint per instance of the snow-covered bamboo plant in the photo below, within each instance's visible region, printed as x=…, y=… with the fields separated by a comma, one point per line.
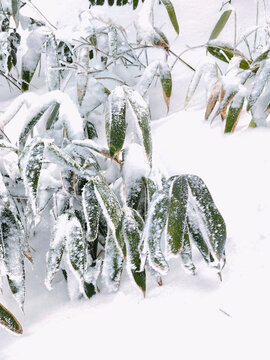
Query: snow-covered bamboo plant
x=108, y=206
x=243, y=84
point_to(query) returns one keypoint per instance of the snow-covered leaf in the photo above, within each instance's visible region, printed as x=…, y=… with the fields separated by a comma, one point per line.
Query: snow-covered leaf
x=116, y=120
x=57, y=246
x=186, y=255
x=166, y=82
x=132, y=236
x=220, y=24
x=153, y=230
x=91, y=209
x=112, y=264
x=234, y=112
x=53, y=75
x=142, y=116
x=82, y=72
x=11, y=236
x=8, y=320
x=214, y=222
x=54, y=115
x=226, y=53
x=147, y=77
x=170, y=9
x=177, y=211
x=113, y=41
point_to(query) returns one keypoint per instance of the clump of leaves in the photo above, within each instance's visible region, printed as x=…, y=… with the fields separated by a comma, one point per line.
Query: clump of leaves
x=244, y=83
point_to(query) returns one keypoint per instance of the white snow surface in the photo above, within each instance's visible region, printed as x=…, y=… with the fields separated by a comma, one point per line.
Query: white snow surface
x=188, y=317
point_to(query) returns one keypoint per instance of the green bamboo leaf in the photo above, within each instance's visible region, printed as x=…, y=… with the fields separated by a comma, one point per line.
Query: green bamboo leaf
x=166, y=82
x=226, y=53
x=152, y=234
x=57, y=246
x=142, y=115
x=15, y=4
x=234, y=112
x=220, y=24
x=116, y=120
x=132, y=235
x=170, y=9
x=32, y=170
x=11, y=238
x=135, y=4
x=112, y=264
x=91, y=209
x=113, y=41
x=262, y=57
x=8, y=320
x=53, y=117
x=134, y=193
x=177, y=213
x=186, y=254
x=214, y=222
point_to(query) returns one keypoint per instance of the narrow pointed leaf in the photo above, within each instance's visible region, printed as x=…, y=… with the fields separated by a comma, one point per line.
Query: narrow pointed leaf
x=225, y=53
x=135, y=4
x=116, y=120
x=53, y=117
x=186, y=255
x=166, y=82
x=53, y=75
x=220, y=24
x=91, y=209
x=234, y=112
x=8, y=320
x=214, y=222
x=260, y=82
x=57, y=246
x=147, y=78
x=15, y=4
x=170, y=9
x=212, y=100
x=132, y=236
x=82, y=75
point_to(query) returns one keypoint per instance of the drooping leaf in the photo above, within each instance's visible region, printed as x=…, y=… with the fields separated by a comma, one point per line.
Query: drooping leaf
x=116, y=120
x=82, y=74
x=177, y=212
x=142, y=116
x=135, y=4
x=166, y=82
x=112, y=264
x=8, y=320
x=234, y=112
x=186, y=254
x=226, y=53
x=214, y=222
x=52, y=75
x=91, y=209
x=212, y=100
x=32, y=170
x=220, y=24
x=132, y=236
x=75, y=246
x=170, y=9
x=113, y=41
x=15, y=4
x=57, y=246
x=53, y=117
x=11, y=237
x=260, y=82
x=152, y=234
x=147, y=77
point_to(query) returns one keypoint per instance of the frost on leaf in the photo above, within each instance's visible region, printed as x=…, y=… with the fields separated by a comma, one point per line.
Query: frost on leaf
x=132, y=227
x=153, y=230
x=186, y=255
x=116, y=120
x=82, y=72
x=91, y=209
x=11, y=237
x=57, y=246
x=112, y=264
x=53, y=75
x=142, y=116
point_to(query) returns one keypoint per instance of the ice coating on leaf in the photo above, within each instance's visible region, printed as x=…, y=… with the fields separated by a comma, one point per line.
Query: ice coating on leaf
x=91, y=209
x=53, y=75
x=153, y=230
x=147, y=77
x=11, y=235
x=75, y=247
x=31, y=171
x=82, y=72
x=57, y=245
x=112, y=41
x=112, y=264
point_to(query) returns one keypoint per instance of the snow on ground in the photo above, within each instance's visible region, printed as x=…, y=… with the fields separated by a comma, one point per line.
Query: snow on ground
x=188, y=317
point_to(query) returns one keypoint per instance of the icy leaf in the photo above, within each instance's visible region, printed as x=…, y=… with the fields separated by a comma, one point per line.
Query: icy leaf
x=8, y=320
x=166, y=82
x=220, y=24
x=91, y=209
x=260, y=81
x=112, y=264
x=186, y=255
x=214, y=222
x=170, y=9
x=75, y=246
x=132, y=236
x=116, y=120
x=112, y=41
x=142, y=115
x=147, y=78
x=53, y=75
x=177, y=211
x=82, y=75
x=234, y=112
x=11, y=236
x=152, y=234
x=32, y=169
x=110, y=207
x=57, y=246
